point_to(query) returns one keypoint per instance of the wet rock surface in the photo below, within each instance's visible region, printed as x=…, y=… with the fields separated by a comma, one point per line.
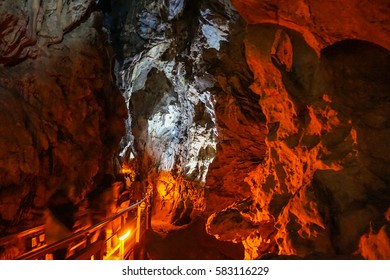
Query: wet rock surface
x=296, y=99
x=61, y=113
x=262, y=125
x=322, y=24
x=316, y=184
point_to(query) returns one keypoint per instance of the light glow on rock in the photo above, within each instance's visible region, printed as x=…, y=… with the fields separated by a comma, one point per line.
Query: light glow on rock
x=214, y=32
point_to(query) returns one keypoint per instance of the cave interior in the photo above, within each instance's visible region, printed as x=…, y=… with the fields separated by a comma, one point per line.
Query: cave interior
x=261, y=127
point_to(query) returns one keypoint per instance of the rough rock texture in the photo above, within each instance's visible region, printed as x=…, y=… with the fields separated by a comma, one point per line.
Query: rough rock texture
x=323, y=23
x=375, y=245
x=189, y=82
x=324, y=179
x=28, y=27
x=265, y=126
x=270, y=121
x=172, y=117
x=61, y=114
x=187, y=66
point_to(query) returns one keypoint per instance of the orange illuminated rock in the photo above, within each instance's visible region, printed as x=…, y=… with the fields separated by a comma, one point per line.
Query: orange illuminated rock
x=323, y=23
x=323, y=179
x=269, y=131
x=176, y=201
x=375, y=244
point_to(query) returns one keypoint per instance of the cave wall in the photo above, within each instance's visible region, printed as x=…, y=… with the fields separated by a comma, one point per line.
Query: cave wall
x=269, y=119
x=323, y=186
x=262, y=119
x=61, y=113
x=187, y=90
x=316, y=183
x=323, y=24
x=167, y=86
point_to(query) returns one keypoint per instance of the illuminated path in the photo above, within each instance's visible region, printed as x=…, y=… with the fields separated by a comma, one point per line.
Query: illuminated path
x=117, y=237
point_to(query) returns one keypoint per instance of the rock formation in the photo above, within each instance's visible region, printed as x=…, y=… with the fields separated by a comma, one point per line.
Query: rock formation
x=323, y=91
x=261, y=123
x=296, y=96
x=61, y=113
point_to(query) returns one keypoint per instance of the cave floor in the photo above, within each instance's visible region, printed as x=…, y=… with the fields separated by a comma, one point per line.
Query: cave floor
x=190, y=242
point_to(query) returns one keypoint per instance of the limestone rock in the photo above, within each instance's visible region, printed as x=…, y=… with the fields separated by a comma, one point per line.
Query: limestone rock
x=316, y=138
x=29, y=27
x=323, y=23
x=272, y=117
x=13, y=32
x=172, y=115
x=61, y=122
x=269, y=119
x=375, y=244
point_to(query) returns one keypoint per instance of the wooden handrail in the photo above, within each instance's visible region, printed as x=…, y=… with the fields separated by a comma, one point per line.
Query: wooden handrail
x=46, y=249
x=13, y=236
x=31, y=231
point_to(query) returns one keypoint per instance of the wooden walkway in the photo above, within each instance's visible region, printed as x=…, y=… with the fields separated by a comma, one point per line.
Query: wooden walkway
x=116, y=237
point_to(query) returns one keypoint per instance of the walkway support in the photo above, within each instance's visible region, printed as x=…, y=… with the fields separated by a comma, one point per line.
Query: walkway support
x=81, y=245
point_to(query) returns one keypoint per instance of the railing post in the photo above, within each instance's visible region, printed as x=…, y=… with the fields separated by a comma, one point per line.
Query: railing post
x=88, y=239
x=148, y=213
x=122, y=249
x=147, y=217
x=139, y=212
x=109, y=238
x=122, y=221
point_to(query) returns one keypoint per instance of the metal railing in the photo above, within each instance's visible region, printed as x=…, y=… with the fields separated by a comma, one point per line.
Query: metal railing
x=29, y=239
x=81, y=245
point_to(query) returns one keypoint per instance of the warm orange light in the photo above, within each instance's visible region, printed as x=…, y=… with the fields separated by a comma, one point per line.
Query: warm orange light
x=126, y=170
x=124, y=236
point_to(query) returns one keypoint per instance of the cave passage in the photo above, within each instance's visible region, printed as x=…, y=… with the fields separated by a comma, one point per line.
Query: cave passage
x=175, y=129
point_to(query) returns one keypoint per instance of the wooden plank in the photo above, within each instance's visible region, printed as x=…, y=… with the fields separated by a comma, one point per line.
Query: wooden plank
x=92, y=250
